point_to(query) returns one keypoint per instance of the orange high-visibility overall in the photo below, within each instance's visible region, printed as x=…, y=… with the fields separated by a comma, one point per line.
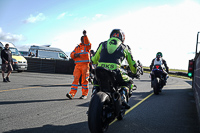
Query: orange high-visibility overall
x=81, y=67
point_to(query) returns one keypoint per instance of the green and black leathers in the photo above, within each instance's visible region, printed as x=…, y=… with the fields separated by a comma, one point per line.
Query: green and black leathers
x=111, y=53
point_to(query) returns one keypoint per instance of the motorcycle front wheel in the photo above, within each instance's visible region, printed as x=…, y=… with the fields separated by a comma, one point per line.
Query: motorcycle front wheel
x=97, y=114
x=156, y=86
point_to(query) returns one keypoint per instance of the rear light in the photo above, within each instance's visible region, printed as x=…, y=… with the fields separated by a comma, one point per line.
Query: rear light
x=157, y=66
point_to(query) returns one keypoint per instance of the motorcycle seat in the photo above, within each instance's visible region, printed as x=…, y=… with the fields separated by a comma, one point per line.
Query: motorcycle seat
x=105, y=76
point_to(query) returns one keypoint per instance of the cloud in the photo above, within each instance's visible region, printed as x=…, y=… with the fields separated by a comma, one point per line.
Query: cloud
x=62, y=15
x=10, y=37
x=169, y=29
x=94, y=18
x=69, y=14
x=33, y=19
x=81, y=18
x=25, y=47
x=98, y=16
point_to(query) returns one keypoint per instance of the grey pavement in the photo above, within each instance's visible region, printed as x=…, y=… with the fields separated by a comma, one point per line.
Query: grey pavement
x=36, y=103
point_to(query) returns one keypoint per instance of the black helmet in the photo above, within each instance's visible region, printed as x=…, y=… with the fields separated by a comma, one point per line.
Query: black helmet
x=159, y=54
x=92, y=51
x=118, y=33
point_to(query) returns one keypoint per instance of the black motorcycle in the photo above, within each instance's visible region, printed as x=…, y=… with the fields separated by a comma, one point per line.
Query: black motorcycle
x=157, y=79
x=106, y=105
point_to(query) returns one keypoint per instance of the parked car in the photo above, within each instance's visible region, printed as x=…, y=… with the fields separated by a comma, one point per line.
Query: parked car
x=20, y=63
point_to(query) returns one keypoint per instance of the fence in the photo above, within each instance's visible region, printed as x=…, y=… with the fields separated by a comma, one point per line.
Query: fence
x=196, y=82
x=50, y=66
x=61, y=66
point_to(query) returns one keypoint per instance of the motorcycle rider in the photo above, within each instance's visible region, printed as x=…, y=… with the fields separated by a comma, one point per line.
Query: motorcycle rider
x=160, y=61
x=110, y=54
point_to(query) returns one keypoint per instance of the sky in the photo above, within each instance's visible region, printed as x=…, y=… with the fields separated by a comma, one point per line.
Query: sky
x=152, y=26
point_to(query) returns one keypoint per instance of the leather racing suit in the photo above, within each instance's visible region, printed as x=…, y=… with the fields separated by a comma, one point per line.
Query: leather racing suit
x=110, y=54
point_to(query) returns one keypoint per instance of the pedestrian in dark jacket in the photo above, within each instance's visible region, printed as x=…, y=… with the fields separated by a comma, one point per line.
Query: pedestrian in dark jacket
x=6, y=56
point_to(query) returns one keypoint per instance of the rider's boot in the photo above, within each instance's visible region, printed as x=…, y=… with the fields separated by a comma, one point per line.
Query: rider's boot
x=126, y=105
x=131, y=87
x=124, y=94
x=165, y=79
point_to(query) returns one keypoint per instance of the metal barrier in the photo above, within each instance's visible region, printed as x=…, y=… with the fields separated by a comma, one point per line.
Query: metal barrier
x=196, y=82
x=50, y=65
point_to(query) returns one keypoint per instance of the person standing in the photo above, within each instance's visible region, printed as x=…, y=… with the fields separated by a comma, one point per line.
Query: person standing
x=81, y=57
x=6, y=56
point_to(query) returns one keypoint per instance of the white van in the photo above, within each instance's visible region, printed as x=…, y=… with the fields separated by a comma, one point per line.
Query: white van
x=48, y=52
x=20, y=63
x=24, y=53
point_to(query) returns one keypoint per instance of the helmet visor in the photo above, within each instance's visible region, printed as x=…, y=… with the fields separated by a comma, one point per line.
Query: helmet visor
x=117, y=34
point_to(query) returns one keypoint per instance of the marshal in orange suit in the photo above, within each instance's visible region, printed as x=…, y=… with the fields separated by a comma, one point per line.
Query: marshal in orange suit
x=81, y=57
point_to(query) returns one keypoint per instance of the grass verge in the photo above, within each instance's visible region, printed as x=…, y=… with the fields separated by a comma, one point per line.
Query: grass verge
x=171, y=70
x=172, y=75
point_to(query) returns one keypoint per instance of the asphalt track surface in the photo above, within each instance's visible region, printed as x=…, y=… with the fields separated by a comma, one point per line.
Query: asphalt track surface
x=36, y=103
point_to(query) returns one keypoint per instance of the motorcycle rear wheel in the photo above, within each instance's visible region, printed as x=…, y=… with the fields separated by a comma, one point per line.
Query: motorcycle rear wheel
x=97, y=115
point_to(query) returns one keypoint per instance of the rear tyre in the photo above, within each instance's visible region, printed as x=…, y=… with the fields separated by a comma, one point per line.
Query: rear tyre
x=155, y=86
x=97, y=115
